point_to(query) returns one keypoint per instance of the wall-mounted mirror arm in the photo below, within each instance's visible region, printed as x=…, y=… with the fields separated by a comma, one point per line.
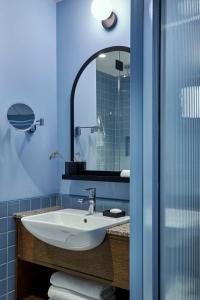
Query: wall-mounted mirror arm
x=77, y=129
x=33, y=128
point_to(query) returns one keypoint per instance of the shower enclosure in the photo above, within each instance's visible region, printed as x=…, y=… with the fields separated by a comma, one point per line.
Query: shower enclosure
x=180, y=150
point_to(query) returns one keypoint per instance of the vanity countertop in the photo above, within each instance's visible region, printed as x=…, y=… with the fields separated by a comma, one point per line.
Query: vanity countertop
x=120, y=230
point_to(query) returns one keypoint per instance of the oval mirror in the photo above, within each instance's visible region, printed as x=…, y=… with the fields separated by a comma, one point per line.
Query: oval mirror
x=100, y=109
x=21, y=116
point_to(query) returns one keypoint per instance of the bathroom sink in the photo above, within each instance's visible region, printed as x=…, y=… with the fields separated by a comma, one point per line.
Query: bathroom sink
x=71, y=229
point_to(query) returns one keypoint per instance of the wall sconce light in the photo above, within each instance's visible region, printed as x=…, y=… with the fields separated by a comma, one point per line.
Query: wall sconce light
x=102, y=10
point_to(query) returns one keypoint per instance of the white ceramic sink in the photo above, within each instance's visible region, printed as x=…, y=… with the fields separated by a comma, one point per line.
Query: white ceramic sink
x=71, y=229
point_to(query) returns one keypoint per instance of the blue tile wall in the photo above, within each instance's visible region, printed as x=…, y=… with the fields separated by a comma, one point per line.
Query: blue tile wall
x=106, y=98
x=8, y=239
x=113, y=107
x=8, y=229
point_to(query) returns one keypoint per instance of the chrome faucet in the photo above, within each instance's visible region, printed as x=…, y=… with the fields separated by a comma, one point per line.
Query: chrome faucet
x=91, y=199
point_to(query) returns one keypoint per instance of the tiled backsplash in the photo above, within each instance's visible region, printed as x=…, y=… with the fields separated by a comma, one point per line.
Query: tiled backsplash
x=8, y=230
x=8, y=239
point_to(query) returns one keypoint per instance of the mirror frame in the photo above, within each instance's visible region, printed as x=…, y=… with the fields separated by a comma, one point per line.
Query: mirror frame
x=95, y=173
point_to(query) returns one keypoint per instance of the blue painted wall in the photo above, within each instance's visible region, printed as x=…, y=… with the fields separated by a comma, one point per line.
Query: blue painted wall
x=79, y=35
x=28, y=179
x=28, y=74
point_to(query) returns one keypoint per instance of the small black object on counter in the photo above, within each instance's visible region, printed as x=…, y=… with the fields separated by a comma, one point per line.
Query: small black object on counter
x=107, y=213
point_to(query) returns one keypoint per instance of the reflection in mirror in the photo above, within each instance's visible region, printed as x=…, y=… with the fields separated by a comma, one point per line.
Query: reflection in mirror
x=101, y=113
x=21, y=116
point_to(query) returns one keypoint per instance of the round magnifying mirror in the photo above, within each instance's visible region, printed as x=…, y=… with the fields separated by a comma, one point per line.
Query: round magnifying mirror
x=21, y=116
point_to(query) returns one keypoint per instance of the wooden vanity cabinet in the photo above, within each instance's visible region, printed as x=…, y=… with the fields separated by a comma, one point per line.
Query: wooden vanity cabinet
x=36, y=261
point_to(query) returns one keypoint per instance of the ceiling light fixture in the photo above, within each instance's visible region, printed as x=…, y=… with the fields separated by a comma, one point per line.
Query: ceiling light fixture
x=102, y=55
x=102, y=10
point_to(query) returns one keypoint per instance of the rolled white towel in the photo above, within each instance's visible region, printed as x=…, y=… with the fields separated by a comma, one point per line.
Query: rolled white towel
x=125, y=173
x=56, y=293
x=82, y=286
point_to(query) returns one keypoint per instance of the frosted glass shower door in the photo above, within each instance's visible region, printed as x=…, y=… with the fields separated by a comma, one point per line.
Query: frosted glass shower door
x=180, y=150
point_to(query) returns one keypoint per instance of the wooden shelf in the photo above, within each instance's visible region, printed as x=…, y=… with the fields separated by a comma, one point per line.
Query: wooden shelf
x=108, y=263
x=94, y=175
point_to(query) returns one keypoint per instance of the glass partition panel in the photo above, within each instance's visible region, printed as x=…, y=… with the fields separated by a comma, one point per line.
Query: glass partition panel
x=180, y=151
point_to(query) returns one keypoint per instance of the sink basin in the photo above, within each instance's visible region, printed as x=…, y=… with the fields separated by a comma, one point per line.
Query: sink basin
x=71, y=229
